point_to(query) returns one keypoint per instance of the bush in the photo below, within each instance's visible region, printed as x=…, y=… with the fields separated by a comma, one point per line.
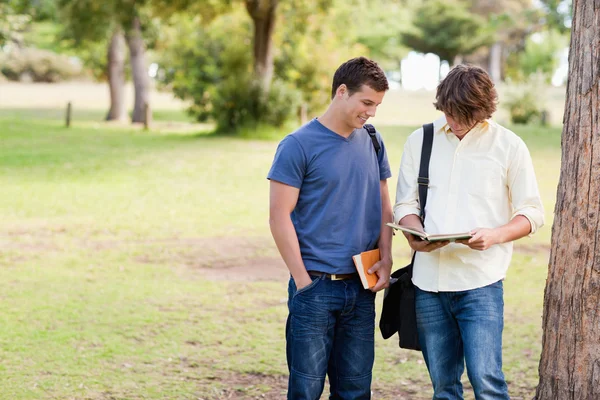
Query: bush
x=523, y=109
x=38, y=66
x=524, y=101
x=242, y=103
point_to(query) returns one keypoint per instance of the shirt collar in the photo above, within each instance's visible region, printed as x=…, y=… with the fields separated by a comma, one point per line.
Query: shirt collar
x=442, y=124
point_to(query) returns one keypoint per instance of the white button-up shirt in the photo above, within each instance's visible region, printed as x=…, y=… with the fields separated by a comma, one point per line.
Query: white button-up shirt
x=481, y=181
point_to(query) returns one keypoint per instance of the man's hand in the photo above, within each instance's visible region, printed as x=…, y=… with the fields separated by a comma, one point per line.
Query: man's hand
x=417, y=244
x=383, y=269
x=303, y=281
x=483, y=239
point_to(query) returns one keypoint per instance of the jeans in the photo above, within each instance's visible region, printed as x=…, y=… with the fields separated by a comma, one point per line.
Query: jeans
x=330, y=331
x=463, y=327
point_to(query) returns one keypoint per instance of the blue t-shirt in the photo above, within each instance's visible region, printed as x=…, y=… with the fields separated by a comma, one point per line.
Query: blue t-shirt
x=338, y=213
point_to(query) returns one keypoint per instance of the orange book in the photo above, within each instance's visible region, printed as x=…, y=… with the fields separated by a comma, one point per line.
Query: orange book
x=363, y=262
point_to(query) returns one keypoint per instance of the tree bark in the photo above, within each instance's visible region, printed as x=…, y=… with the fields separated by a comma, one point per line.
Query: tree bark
x=116, y=77
x=139, y=70
x=570, y=362
x=263, y=14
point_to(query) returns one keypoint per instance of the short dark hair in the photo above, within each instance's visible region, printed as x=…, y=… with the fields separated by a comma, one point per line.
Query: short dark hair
x=357, y=72
x=467, y=94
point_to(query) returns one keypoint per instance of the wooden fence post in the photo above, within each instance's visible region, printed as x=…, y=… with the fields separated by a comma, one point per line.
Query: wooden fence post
x=68, y=116
x=147, y=116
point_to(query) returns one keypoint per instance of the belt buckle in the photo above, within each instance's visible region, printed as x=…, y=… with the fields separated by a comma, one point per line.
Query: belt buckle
x=334, y=277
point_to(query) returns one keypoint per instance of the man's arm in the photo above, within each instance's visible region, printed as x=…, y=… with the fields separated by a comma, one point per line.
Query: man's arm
x=484, y=238
x=282, y=201
x=383, y=268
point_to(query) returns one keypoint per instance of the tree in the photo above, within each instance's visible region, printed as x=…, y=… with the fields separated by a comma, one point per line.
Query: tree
x=448, y=29
x=511, y=22
x=139, y=70
x=570, y=361
x=116, y=76
x=263, y=14
x=88, y=22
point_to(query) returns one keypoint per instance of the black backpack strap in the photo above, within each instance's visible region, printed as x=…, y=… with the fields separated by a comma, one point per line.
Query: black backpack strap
x=371, y=131
x=423, y=179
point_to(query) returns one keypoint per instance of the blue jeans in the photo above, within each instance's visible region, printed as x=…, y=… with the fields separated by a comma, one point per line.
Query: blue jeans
x=330, y=331
x=459, y=327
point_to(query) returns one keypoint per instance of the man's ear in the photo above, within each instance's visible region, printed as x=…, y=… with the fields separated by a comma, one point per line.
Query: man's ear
x=341, y=90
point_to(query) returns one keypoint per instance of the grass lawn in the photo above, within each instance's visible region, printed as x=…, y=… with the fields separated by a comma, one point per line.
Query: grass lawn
x=137, y=265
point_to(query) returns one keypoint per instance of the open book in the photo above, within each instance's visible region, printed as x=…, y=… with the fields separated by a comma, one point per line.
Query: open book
x=431, y=238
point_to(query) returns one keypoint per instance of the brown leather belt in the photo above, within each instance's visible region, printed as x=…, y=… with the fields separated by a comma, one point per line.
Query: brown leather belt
x=334, y=277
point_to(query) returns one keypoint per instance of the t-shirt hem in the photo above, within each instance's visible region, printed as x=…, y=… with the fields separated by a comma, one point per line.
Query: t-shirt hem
x=284, y=180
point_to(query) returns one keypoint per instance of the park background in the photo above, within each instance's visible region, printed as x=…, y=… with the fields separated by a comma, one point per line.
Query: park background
x=135, y=258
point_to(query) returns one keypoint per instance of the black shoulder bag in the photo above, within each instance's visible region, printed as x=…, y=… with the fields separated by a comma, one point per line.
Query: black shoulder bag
x=398, y=313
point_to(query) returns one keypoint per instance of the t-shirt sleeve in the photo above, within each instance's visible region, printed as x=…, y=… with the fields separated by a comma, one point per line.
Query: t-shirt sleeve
x=289, y=164
x=384, y=166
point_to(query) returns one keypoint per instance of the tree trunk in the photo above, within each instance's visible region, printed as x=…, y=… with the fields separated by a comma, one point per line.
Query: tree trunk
x=139, y=71
x=116, y=77
x=570, y=362
x=263, y=13
x=495, y=66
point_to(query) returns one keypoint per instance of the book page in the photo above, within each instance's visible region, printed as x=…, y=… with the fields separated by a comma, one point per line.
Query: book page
x=409, y=229
x=431, y=238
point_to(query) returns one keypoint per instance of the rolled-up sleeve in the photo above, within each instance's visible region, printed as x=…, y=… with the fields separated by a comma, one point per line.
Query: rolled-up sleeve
x=407, y=194
x=523, y=188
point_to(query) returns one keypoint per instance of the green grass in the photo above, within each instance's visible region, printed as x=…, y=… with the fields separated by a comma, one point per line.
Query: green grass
x=109, y=243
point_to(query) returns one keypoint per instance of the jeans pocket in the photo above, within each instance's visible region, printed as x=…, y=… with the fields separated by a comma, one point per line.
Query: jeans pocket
x=315, y=281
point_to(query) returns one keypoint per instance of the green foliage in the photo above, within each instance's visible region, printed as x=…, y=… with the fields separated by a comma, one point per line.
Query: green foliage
x=12, y=25
x=201, y=62
x=447, y=28
x=204, y=65
x=541, y=55
x=38, y=65
x=311, y=42
x=558, y=14
x=38, y=10
x=380, y=29
x=87, y=26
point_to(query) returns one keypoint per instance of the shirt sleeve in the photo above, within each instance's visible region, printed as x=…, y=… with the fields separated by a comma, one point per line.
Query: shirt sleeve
x=407, y=192
x=523, y=188
x=384, y=165
x=289, y=164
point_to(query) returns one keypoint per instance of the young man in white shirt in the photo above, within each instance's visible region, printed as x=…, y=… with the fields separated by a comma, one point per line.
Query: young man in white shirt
x=481, y=180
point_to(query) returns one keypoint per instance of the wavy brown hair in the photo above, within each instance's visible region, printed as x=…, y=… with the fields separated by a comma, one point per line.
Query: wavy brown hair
x=467, y=94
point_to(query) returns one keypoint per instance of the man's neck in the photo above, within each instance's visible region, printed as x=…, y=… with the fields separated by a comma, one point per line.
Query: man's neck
x=331, y=121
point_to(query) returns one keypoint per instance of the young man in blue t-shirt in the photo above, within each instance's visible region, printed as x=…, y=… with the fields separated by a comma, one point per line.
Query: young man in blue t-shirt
x=329, y=201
